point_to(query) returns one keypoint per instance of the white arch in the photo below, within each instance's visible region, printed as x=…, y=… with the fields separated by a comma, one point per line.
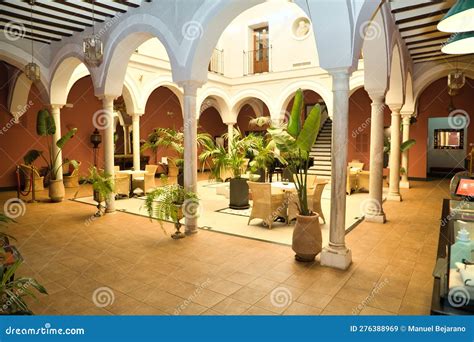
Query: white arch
x=290, y=91
x=396, y=91
x=124, y=39
x=18, y=94
x=130, y=94
x=219, y=103
x=68, y=72
x=356, y=82
x=409, y=105
x=248, y=96
x=162, y=81
x=17, y=57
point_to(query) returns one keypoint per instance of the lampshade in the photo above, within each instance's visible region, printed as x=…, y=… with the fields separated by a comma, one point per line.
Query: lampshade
x=460, y=17
x=459, y=43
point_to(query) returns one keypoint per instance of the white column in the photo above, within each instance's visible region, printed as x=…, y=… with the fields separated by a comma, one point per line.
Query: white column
x=230, y=134
x=190, y=146
x=56, y=114
x=374, y=210
x=108, y=116
x=394, y=189
x=405, y=136
x=136, y=140
x=336, y=254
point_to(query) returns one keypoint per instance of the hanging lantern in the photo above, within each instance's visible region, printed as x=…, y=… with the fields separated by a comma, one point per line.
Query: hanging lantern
x=32, y=71
x=456, y=80
x=460, y=18
x=92, y=46
x=93, y=51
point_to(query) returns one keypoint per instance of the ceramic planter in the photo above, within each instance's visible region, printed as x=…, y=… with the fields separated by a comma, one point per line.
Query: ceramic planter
x=239, y=194
x=307, y=238
x=56, y=190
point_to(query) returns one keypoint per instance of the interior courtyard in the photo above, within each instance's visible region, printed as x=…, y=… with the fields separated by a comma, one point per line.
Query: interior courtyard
x=149, y=166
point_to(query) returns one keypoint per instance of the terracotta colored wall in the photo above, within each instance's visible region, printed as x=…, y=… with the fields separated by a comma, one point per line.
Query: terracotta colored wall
x=433, y=103
x=161, y=102
x=16, y=141
x=245, y=115
x=210, y=122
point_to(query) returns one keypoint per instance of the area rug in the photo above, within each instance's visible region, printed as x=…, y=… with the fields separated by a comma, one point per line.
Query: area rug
x=240, y=212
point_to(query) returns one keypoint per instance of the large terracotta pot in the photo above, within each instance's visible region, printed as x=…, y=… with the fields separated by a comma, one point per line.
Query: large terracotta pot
x=56, y=190
x=307, y=238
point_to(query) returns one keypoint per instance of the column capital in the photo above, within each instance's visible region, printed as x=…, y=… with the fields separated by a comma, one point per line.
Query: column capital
x=107, y=98
x=377, y=97
x=230, y=123
x=56, y=106
x=395, y=108
x=190, y=87
x=133, y=115
x=340, y=79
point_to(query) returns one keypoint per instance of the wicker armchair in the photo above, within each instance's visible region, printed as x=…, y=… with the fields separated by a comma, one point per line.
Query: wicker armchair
x=26, y=172
x=122, y=184
x=266, y=206
x=145, y=182
x=71, y=179
x=351, y=180
x=314, y=202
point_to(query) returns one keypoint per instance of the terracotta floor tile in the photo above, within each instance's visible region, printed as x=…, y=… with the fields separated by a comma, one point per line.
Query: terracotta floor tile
x=249, y=295
x=230, y=306
x=296, y=308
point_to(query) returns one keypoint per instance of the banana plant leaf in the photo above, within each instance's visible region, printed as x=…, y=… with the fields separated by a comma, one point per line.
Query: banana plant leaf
x=294, y=124
x=406, y=145
x=65, y=138
x=45, y=124
x=31, y=156
x=308, y=134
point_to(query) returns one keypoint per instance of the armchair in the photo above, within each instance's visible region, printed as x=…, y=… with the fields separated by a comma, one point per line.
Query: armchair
x=71, y=179
x=38, y=180
x=266, y=206
x=314, y=201
x=122, y=184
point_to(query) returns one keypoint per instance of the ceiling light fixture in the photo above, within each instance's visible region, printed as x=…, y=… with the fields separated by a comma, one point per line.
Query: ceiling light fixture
x=459, y=43
x=460, y=18
x=32, y=70
x=92, y=46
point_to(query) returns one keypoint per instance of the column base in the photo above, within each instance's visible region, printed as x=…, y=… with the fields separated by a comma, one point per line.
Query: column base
x=394, y=197
x=405, y=184
x=377, y=218
x=190, y=230
x=336, y=258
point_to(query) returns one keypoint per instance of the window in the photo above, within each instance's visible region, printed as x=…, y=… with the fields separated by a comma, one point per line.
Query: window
x=449, y=139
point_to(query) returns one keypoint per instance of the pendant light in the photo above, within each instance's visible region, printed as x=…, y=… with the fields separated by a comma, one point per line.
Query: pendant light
x=459, y=43
x=460, y=18
x=92, y=46
x=32, y=70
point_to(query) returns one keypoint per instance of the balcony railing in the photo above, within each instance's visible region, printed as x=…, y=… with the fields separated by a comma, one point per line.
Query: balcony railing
x=216, y=63
x=257, y=61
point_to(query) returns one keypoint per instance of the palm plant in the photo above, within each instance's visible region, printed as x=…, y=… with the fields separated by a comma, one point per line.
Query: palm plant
x=46, y=127
x=295, y=141
x=215, y=157
x=239, y=147
x=169, y=138
x=263, y=153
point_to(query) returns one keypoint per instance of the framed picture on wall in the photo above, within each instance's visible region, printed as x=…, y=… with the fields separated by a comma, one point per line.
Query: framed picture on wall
x=449, y=139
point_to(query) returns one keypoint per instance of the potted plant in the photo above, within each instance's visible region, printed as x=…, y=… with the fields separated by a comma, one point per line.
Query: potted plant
x=404, y=146
x=215, y=157
x=14, y=291
x=237, y=164
x=167, y=203
x=295, y=141
x=169, y=138
x=103, y=187
x=46, y=127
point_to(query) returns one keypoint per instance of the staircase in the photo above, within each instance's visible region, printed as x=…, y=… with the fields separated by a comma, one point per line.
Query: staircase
x=321, y=152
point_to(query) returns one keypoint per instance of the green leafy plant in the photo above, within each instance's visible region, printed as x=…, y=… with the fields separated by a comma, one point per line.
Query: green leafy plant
x=295, y=140
x=14, y=290
x=46, y=127
x=169, y=138
x=263, y=153
x=215, y=157
x=240, y=146
x=166, y=203
x=102, y=185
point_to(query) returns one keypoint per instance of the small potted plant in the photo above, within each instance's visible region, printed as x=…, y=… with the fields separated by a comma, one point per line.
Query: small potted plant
x=295, y=141
x=14, y=290
x=169, y=203
x=263, y=156
x=103, y=187
x=46, y=127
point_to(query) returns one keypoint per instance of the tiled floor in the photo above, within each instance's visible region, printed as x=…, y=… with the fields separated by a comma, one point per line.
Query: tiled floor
x=124, y=264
